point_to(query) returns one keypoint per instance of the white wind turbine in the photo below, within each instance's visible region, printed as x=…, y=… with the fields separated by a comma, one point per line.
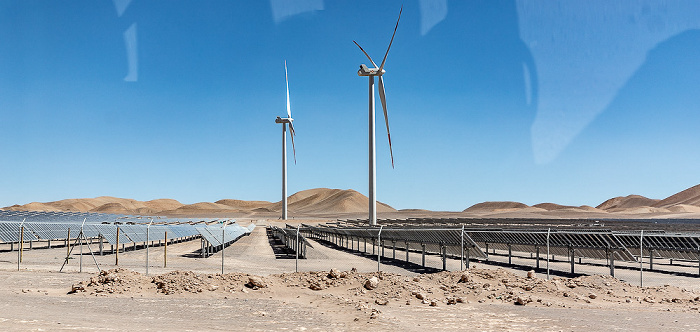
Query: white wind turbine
x=284, y=122
x=371, y=73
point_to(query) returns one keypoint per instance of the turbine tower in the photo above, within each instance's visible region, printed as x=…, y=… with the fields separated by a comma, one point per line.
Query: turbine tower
x=371, y=73
x=284, y=122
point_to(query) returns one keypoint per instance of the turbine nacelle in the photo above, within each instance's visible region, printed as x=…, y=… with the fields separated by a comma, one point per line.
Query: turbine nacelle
x=283, y=120
x=366, y=71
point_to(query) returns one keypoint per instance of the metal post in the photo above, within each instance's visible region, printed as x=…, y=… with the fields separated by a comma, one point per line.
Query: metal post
x=297, y=252
x=379, y=252
x=393, y=249
x=443, y=250
x=81, y=236
x=407, y=250
x=548, y=232
x=372, y=159
x=101, y=246
x=651, y=259
x=571, y=254
x=461, y=257
x=148, y=238
x=510, y=255
x=422, y=254
x=223, y=246
x=116, y=256
x=612, y=262
x=487, y=251
x=165, y=251
x=537, y=258
x=641, y=258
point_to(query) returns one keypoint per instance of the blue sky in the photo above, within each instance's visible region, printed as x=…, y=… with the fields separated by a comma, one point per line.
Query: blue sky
x=530, y=101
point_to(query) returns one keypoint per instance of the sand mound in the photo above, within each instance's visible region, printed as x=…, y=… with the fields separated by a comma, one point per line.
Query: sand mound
x=324, y=200
x=163, y=204
x=690, y=196
x=631, y=201
x=34, y=206
x=552, y=206
x=203, y=206
x=496, y=206
x=475, y=286
x=639, y=210
x=684, y=208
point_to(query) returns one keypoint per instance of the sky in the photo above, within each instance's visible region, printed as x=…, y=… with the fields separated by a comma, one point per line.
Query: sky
x=529, y=101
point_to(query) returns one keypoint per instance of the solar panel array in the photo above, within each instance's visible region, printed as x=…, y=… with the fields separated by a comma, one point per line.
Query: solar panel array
x=115, y=229
x=433, y=240
x=597, y=244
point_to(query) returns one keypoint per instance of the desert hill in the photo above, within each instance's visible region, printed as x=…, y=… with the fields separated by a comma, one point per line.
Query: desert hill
x=312, y=201
x=627, y=202
x=690, y=196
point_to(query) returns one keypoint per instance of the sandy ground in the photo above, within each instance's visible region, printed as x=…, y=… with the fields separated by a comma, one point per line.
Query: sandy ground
x=36, y=297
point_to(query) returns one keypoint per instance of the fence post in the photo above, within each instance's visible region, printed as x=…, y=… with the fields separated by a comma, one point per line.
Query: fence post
x=407, y=250
x=423, y=254
x=641, y=258
x=549, y=230
x=116, y=256
x=297, y=252
x=461, y=258
x=443, y=249
x=379, y=251
x=165, y=251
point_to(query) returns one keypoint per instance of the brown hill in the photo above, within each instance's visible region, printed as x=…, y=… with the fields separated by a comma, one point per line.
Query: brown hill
x=324, y=200
x=690, y=196
x=627, y=202
x=240, y=204
x=495, y=206
x=552, y=206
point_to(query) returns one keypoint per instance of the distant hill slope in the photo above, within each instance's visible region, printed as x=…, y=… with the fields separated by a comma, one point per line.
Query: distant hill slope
x=627, y=202
x=495, y=206
x=690, y=196
x=312, y=201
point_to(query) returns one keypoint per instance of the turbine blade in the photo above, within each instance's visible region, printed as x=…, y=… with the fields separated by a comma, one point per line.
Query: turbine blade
x=382, y=97
x=392, y=40
x=363, y=51
x=289, y=110
x=292, y=133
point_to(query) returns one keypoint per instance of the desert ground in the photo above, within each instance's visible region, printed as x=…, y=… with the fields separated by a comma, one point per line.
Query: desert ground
x=340, y=290
x=328, y=294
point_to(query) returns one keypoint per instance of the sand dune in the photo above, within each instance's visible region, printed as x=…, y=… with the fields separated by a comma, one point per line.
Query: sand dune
x=324, y=201
x=495, y=206
x=631, y=201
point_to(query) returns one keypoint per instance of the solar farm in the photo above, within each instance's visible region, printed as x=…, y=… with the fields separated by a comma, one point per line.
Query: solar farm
x=419, y=264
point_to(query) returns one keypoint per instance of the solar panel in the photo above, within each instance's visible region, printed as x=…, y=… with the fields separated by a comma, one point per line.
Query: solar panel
x=11, y=232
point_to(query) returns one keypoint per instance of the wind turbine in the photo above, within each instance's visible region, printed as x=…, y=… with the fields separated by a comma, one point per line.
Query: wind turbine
x=284, y=122
x=371, y=73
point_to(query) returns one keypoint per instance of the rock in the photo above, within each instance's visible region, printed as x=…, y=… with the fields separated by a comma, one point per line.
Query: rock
x=521, y=300
x=371, y=283
x=416, y=279
x=528, y=288
x=459, y=300
x=451, y=300
x=334, y=274
x=592, y=296
x=255, y=281
x=315, y=286
x=433, y=303
x=531, y=274
x=76, y=288
x=381, y=301
x=213, y=288
x=375, y=314
x=464, y=278
x=419, y=295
